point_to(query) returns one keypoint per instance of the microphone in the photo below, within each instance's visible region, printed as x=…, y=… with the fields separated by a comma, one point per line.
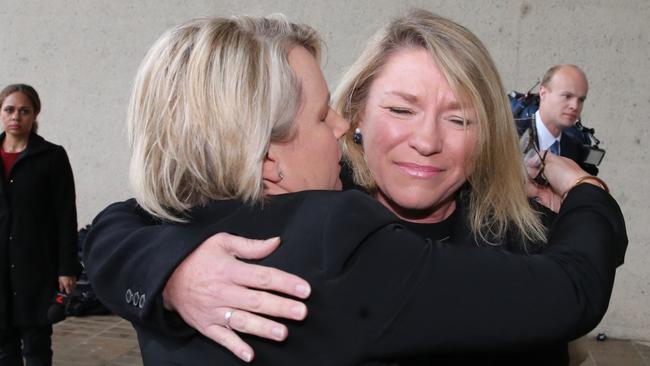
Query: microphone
x=56, y=312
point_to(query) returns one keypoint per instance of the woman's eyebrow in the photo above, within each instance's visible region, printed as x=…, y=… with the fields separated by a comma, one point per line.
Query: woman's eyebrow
x=411, y=98
x=453, y=105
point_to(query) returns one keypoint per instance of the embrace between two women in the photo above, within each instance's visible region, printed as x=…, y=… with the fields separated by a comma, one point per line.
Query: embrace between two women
x=442, y=258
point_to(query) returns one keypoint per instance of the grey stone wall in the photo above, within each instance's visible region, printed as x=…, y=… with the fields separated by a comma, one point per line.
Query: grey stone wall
x=81, y=55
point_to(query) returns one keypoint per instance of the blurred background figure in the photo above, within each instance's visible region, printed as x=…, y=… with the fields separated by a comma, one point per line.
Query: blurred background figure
x=562, y=95
x=554, y=115
x=38, y=230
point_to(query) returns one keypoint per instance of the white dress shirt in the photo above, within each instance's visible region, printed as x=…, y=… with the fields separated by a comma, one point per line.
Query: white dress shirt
x=544, y=137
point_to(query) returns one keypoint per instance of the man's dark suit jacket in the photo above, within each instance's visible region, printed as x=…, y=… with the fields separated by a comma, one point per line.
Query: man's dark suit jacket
x=573, y=149
x=379, y=292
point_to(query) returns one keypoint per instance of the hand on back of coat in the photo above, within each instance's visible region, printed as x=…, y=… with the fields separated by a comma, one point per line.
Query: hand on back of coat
x=212, y=282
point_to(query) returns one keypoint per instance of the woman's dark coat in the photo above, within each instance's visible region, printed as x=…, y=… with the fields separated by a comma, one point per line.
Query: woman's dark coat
x=38, y=232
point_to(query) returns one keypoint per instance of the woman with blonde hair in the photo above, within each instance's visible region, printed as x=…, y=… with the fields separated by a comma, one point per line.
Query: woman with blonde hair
x=231, y=131
x=434, y=141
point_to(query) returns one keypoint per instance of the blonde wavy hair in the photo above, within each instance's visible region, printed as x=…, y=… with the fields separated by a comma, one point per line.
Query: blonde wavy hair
x=497, y=198
x=208, y=98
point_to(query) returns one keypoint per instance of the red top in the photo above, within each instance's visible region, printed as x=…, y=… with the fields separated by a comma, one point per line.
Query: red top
x=8, y=160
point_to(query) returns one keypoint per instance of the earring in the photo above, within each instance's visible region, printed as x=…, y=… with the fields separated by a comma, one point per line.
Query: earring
x=357, y=137
x=281, y=175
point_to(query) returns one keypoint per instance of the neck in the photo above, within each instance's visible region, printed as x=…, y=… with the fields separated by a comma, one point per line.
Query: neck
x=549, y=126
x=272, y=189
x=14, y=144
x=431, y=215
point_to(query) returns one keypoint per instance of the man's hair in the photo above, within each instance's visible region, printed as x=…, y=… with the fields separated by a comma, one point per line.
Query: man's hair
x=548, y=75
x=208, y=98
x=497, y=198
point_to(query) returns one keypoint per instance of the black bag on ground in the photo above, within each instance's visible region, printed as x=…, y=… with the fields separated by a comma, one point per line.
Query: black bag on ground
x=82, y=301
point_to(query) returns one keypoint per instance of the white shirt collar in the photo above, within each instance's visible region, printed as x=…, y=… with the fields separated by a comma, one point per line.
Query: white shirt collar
x=544, y=136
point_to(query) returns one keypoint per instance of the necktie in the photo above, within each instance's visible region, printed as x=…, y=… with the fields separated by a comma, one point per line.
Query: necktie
x=555, y=148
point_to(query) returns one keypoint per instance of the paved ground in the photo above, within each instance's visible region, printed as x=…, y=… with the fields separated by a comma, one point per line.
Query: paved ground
x=108, y=340
x=94, y=341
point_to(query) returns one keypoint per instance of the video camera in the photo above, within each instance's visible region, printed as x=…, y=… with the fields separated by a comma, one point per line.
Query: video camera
x=524, y=106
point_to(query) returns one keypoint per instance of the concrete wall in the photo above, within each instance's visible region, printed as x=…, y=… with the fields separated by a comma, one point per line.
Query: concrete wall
x=81, y=56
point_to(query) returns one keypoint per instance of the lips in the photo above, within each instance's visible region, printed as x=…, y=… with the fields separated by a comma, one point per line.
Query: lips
x=419, y=171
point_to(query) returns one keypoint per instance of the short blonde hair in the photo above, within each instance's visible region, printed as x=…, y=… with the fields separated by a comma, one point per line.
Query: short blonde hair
x=208, y=98
x=497, y=197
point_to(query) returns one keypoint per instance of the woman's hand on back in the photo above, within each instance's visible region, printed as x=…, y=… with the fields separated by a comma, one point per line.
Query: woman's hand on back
x=212, y=282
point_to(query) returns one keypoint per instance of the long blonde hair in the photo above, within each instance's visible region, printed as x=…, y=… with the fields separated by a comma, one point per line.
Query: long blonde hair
x=497, y=198
x=208, y=98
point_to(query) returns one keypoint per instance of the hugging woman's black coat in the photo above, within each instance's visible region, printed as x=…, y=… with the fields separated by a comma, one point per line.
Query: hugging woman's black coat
x=379, y=292
x=38, y=232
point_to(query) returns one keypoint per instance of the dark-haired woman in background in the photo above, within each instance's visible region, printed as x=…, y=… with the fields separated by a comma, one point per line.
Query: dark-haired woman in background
x=38, y=223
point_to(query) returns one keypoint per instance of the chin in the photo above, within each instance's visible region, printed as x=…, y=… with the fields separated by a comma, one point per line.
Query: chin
x=568, y=123
x=416, y=199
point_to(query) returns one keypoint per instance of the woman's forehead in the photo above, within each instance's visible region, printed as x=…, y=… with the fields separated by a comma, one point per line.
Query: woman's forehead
x=17, y=98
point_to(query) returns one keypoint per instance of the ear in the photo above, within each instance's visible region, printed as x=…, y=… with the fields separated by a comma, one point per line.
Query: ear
x=542, y=93
x=360, y=120
x=270, y=166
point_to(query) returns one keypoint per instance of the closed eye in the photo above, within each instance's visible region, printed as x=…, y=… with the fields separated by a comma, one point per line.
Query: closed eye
x=460, y=122
x=398, y=110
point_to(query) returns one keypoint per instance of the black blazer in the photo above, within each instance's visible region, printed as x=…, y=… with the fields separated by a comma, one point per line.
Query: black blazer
x=379, y=292
x=38, y=232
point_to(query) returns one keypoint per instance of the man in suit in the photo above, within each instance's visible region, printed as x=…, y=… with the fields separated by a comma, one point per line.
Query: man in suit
x=562, y=94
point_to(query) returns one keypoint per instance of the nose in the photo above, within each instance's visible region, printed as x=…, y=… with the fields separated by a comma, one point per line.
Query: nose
x=339, y=125
x=426, y=138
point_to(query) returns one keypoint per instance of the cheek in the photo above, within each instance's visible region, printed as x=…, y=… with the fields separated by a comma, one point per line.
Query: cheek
x=383, y=133
x=6, y=119
x=462, y=151
x=378, y=138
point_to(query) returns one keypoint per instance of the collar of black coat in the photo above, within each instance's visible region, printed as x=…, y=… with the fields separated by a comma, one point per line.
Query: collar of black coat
x=35, y=145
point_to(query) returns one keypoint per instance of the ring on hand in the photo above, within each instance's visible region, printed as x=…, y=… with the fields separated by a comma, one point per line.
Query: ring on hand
x=226, y=317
